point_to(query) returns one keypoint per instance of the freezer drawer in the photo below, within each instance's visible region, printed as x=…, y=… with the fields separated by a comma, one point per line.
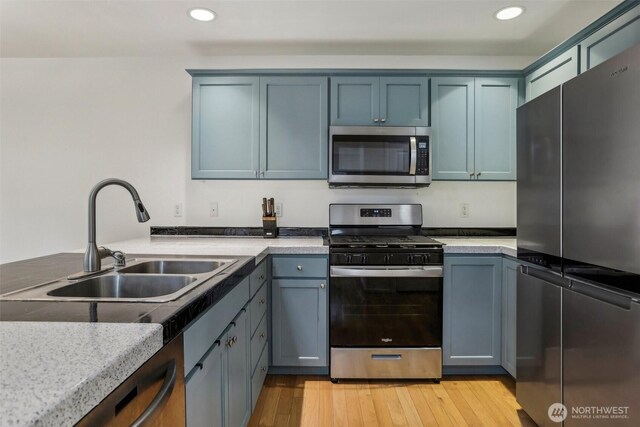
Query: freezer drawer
x=539, y=340
x=601, y=357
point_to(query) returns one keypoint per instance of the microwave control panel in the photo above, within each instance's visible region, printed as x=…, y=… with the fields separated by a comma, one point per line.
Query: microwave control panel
x=422, y=163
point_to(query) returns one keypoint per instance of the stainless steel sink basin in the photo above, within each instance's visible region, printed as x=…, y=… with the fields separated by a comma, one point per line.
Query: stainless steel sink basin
x=173, y=267
x=143, y=280
x=124, y=286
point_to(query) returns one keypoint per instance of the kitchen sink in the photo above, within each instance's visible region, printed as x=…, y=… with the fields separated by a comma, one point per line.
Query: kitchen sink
x=143, y=280
x=124, y=286
x=173, y=267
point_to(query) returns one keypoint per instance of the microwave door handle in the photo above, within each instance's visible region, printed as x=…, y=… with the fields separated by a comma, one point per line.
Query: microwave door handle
x=413, y=156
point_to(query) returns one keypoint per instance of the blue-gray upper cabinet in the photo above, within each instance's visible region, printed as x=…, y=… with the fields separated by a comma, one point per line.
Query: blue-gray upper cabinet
x=509, y=314
x=555, y=72
x=474, y=128
x=452, y=127
x=495, y=128
x=610, y=40
x=472, y=329
x=293, y=127
x=385, y=101
x=355, y=101
x=225, y=127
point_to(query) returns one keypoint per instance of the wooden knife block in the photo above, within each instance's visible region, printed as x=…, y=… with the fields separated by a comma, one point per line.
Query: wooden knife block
x=269, y=227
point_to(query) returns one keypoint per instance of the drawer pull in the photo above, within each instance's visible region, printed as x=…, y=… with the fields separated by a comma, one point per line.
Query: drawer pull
x=299, y=268
x=386, y=356
x=262, y=335
x=263, y=369
x=262, y=301
x=322, y=285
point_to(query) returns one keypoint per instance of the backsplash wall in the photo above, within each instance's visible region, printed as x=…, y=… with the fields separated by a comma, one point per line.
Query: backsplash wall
x=306, y=203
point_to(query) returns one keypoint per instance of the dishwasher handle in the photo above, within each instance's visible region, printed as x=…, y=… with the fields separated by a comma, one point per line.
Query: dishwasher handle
x=162, y=396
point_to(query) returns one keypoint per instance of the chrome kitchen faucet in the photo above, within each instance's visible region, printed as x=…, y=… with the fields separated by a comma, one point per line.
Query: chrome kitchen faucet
x=93, y=255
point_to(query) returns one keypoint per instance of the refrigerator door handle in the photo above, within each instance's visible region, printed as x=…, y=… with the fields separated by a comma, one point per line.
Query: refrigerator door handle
x=600, y=294
x=553, y=278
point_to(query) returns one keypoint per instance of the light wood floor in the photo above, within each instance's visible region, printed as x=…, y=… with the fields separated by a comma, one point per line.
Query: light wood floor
x=456, y=401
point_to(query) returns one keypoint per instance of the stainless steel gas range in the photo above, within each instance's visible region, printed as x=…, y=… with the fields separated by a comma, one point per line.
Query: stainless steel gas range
x=385, y=293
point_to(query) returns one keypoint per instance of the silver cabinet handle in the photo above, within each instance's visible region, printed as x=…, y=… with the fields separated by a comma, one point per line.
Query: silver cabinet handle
x=161, y=397
x=299, y=268
x=479, y=173
x=263, y=369
x=262, y=174
x=322, y=285
x=262, y=335
x=472, y=174
x=262, y=301
x=376, y=120
x=383, y=120
x=262, y=277
x=255, y=173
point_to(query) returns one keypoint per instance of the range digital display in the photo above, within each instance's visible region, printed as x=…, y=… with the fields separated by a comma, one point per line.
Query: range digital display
x=375, y=213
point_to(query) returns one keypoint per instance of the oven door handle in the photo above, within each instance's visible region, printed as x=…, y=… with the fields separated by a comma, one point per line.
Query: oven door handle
x=386, y=272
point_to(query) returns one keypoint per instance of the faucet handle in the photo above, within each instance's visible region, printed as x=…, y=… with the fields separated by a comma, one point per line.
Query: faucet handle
x=120, y=258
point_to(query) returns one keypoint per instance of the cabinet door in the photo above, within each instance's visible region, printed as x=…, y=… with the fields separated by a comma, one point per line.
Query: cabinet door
x=472, y=310
x=204, y=390
x=299, y=322
x=495, y=128
x=355, y=101
x=610, y=40
x=225, y=127
x=557, y=71
x=404, y=101
x=509, y=314
x=453, y=128
x=293, y=127
x=238, y=370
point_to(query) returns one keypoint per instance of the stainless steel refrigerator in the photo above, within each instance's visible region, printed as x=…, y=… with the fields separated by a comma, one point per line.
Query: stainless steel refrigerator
x=601, y=243
x=578, y=331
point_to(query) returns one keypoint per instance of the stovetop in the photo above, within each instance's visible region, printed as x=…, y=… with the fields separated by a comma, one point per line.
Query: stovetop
x=383, y=241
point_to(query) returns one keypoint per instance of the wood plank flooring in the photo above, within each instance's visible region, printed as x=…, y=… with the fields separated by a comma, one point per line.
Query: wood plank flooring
x=303, y=401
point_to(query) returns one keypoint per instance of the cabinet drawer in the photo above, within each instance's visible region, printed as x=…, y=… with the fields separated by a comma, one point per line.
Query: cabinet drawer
x=258, y=378
x=258, y=308
x=258, y=277
x=201, y=335
x=257, y=342
x=300, y=266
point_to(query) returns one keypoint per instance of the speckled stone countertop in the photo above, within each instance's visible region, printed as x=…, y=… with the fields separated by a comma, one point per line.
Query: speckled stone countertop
x=257, y=247
x=55, y=373
x=482, y=245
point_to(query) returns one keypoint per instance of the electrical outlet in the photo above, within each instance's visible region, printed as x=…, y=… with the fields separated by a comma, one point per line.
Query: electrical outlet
x=177, y=210
x=464, y=210
x=213, y=209
x=279, y=209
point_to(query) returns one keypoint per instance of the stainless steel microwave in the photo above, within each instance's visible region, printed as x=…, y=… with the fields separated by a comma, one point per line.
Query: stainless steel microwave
x=379, y=156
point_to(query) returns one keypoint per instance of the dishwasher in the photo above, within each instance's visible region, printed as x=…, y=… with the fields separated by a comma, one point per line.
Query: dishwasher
x=601, y=356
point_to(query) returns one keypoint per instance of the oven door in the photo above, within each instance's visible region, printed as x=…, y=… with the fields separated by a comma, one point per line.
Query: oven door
x=373, y=159
x=386, y=306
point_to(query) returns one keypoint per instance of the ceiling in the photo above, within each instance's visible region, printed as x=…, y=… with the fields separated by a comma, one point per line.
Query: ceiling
x=106, y=28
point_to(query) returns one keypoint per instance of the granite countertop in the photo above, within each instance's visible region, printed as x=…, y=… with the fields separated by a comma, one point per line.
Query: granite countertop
x=55, y=373
x=479, y=245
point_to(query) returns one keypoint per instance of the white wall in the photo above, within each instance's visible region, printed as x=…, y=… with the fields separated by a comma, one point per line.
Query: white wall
x=66, y=123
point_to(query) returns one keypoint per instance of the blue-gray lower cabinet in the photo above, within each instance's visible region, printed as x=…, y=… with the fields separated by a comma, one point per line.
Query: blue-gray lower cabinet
x=225, y=127
x=299, y=320
x=611, y=40
x=218, y=388
x=383, y=101
x=472, y=329
x=509, y=314
x=294, y=127
x=555, y=72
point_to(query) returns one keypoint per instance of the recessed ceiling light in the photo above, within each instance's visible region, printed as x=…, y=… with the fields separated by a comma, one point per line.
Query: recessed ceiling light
x=509, y=13
x=202, y=14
